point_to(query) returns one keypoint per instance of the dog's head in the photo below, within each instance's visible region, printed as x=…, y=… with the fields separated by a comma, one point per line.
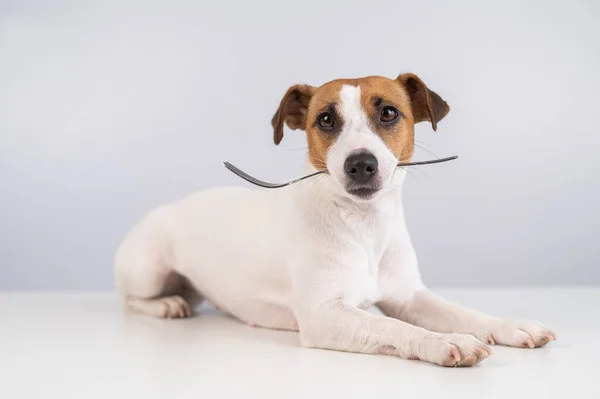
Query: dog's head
x=359, y=129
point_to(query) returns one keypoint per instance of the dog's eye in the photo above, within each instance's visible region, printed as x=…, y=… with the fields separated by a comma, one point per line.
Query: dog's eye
x=325, y=120
x=389, y=114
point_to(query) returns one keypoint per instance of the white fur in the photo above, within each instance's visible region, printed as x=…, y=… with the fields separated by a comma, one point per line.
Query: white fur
x=308, y=257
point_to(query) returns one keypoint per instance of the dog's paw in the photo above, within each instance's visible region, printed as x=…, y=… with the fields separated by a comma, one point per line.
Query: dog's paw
x=452, y=350
x=518, y=333
x=173, y=307
x=168, y=307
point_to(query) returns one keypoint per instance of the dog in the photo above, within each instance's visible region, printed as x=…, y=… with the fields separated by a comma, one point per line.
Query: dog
x=311, y=257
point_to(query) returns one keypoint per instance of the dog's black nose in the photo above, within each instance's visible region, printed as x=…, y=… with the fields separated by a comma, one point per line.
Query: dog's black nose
x=361, y=167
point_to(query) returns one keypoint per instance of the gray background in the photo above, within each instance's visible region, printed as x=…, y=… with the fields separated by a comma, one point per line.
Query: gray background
x=109, y=109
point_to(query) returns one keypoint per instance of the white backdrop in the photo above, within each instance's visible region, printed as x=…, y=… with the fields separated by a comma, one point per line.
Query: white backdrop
x=110, y=108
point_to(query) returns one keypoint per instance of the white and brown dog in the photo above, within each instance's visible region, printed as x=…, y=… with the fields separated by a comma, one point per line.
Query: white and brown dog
x=314, y=255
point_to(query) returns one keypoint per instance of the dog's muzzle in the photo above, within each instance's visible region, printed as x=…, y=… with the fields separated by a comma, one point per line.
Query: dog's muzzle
x=361, y=169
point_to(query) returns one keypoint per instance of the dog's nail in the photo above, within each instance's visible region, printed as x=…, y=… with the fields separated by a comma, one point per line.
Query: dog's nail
x=455, y=354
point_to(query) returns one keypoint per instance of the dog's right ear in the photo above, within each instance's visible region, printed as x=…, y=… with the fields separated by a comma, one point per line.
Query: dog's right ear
x=292, y=110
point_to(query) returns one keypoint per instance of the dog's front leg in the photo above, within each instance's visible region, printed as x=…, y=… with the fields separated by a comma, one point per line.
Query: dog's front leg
x=338, y=325
x=429, y=311
x=406, y=298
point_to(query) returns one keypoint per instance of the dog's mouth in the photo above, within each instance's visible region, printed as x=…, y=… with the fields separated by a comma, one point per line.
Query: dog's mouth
x=363, y=192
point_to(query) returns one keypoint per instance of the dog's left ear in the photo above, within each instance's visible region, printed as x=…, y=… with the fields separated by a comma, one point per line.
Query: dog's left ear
x=292, y=110
x=426, y=104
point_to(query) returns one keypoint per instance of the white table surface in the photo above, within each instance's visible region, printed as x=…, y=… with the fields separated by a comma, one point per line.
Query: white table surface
x=82, y=345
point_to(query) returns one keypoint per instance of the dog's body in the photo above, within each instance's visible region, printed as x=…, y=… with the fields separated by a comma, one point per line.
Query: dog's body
x=312, y=256
x=260, y=240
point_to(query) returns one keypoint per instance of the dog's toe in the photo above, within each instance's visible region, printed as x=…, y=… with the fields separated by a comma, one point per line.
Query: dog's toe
x=523, y=334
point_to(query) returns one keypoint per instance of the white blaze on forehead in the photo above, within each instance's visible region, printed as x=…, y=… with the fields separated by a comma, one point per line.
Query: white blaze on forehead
x=351, y=110
x=356, y=133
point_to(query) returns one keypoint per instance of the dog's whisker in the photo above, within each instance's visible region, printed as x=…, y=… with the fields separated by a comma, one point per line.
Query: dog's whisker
x=408, y=172
x=295, y=149
x=424, y=143
x=417, y=169
x=313, y=180
x=320, y=165
x=425, y=149
x=318, y=159
x=399, y=158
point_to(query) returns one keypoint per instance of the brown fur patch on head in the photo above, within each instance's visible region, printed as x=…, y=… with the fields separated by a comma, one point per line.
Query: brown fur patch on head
x=302, y=106
x=326, y=99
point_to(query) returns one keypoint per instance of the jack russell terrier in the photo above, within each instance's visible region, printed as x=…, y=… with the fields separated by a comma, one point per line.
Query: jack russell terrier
x=311, y=257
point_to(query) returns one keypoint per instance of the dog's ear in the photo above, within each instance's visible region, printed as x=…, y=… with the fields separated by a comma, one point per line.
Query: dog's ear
x=292, y=110
x=426, y=104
